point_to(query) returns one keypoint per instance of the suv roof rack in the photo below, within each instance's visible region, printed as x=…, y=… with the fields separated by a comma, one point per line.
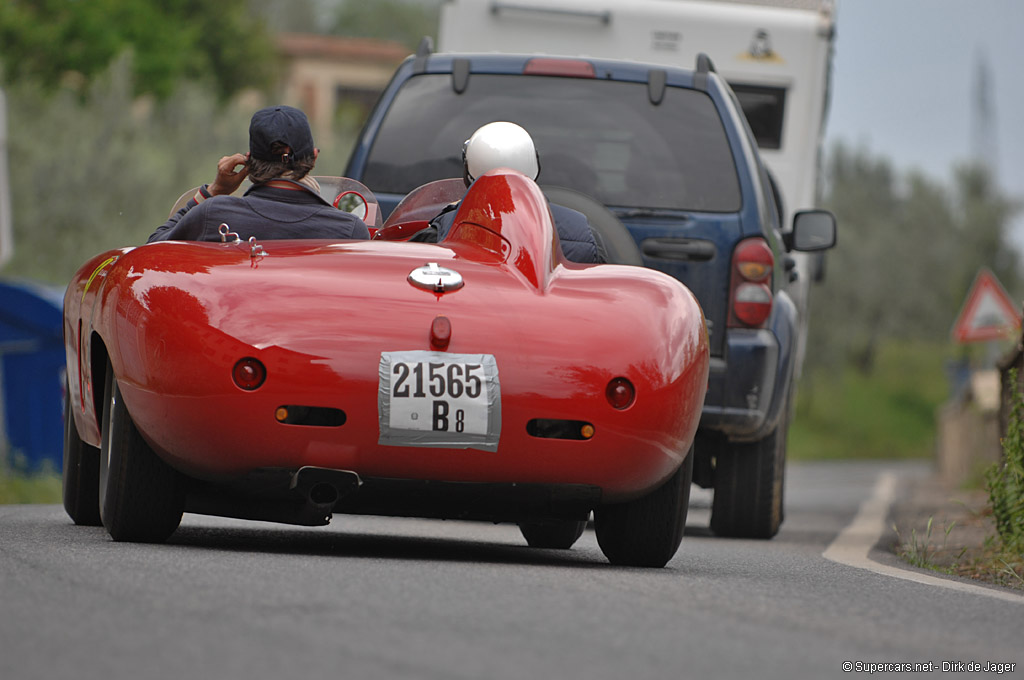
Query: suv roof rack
x=656, y=81
x=704, y=64
x=704, y=67
x=423, y=52
x=460, y=75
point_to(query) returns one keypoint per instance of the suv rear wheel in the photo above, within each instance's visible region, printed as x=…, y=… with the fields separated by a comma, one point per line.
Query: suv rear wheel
x=749, y=479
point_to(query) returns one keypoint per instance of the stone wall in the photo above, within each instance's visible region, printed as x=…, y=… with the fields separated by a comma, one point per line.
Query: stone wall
x=969, y=431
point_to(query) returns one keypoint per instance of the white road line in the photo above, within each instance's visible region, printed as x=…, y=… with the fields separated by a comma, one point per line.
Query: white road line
x=853, y=545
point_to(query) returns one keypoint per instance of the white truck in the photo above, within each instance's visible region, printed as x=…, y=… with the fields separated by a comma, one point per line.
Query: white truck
x=775, y=54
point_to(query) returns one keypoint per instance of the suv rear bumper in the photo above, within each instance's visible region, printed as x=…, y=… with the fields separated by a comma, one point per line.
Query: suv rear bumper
x=740, y=401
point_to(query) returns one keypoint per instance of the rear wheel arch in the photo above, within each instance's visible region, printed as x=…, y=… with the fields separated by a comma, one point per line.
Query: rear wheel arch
x=99, y=359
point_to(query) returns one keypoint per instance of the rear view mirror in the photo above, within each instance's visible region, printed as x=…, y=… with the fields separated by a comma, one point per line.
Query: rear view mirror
x=351, y=202
x=813, y=230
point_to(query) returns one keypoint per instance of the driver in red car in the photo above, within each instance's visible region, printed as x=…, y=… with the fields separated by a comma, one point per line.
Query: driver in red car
x=507, y=145
x=284, y=201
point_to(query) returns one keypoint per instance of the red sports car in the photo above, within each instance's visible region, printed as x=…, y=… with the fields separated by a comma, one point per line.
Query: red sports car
x=484, y=377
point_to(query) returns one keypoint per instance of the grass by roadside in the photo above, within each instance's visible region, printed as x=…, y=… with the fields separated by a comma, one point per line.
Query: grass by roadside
x=890, y=414
x=952, y=532
x=887, y=414
x=973, y=532
x=20, y=486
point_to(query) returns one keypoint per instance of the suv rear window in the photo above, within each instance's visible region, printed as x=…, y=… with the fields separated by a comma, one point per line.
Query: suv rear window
x=603, y=138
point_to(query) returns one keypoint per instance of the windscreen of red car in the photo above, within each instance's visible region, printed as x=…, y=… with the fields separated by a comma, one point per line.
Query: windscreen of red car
x=603, y=138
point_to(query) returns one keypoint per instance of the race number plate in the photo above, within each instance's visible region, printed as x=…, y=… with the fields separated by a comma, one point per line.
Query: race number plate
x=439, y=400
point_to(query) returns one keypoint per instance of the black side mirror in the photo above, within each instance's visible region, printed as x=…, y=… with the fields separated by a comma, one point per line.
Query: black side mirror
x=813, y=230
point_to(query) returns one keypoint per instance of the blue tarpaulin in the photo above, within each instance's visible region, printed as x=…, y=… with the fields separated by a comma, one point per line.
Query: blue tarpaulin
x=32, y=372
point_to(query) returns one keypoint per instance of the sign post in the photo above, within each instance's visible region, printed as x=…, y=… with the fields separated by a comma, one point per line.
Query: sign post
x=6, y=237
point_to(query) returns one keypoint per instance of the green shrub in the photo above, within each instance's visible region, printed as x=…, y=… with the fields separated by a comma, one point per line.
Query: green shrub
x=1005, y=480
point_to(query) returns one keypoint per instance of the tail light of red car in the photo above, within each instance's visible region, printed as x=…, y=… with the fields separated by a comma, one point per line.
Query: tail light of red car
x=750, y=293
x=249, y=373
x=620, y=393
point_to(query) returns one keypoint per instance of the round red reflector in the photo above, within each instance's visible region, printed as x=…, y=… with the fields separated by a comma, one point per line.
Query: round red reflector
x=620, y=393
x=249, y=373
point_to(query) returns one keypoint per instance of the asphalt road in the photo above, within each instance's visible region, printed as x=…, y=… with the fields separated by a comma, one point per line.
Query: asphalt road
x=393, y=598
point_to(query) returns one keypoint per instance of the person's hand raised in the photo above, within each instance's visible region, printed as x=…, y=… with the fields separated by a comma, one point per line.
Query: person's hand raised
x=229, y=176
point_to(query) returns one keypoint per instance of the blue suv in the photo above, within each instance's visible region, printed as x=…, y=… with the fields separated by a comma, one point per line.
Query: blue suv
x=663, y=163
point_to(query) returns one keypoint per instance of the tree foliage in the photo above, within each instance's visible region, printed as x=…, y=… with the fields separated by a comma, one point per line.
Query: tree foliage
x=219, y=43
x=909, y=249
x=100, y=170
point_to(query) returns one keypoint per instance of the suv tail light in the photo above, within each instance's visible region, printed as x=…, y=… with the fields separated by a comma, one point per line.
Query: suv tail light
x=750, y=293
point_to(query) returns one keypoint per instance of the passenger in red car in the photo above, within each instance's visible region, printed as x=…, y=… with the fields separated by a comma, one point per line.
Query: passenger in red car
x=507, y=145
x=283, y=202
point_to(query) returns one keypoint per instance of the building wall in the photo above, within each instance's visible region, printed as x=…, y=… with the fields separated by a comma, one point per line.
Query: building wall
x=323, y=73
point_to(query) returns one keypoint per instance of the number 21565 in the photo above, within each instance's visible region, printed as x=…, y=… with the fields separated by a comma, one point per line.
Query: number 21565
x=439, y=379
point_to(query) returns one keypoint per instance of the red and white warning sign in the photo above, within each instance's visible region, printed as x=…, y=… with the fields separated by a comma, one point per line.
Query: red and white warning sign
x=988, y=313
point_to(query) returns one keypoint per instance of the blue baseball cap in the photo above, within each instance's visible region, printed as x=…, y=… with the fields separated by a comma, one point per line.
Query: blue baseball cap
x=284, y=124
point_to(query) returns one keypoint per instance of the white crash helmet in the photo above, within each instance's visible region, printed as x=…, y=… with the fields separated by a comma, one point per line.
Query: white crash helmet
x=499, y=145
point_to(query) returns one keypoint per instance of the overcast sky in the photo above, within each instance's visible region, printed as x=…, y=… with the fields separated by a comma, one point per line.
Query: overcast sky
x=904, y=81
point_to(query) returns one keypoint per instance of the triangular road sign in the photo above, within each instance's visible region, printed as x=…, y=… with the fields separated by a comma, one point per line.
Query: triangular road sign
x=988, y=313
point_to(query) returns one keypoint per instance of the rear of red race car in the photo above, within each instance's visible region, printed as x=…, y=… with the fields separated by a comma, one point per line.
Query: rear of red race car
x=480, y=378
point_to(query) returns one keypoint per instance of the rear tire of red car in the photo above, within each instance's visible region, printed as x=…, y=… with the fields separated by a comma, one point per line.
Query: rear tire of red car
x=81, y=473
x=555, y=535
x=646, y=532
x=142, y=498
x=749, y=483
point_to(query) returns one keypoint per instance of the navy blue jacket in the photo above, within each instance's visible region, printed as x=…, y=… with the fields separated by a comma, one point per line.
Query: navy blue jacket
x=264, y=212
x=578, y=240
